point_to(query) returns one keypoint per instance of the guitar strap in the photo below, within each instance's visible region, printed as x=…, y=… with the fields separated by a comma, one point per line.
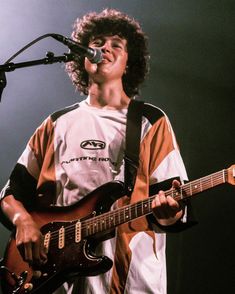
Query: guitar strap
x=133, y=135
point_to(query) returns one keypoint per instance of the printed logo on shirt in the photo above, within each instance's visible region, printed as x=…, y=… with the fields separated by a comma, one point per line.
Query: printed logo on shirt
x=89, y=158
x=92, y=144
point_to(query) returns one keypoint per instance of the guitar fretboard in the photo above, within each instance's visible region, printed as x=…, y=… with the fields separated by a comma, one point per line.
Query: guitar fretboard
x=111, y=219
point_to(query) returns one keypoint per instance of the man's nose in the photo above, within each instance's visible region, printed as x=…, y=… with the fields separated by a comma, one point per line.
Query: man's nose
x=106, y=47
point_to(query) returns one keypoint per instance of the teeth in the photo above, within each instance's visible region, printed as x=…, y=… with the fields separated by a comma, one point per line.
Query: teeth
x=105, y=60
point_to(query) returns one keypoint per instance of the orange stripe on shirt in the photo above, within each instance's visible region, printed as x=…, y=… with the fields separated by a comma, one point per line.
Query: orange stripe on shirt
x=42, y=144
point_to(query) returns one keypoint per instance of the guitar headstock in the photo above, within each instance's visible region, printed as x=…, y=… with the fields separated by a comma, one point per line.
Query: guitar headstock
x=231, y=174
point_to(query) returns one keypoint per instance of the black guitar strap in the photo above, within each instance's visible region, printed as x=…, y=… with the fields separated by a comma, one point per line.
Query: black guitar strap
x=133, y=135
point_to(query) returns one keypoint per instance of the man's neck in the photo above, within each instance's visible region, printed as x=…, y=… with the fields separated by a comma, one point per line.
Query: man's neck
x=108, y=97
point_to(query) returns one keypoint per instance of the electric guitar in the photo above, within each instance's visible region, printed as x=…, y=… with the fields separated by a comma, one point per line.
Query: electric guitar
x=72, y=233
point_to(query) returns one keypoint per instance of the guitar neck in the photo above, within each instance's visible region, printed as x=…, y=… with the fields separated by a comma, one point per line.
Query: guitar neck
x=197, y=186
x=112, y=219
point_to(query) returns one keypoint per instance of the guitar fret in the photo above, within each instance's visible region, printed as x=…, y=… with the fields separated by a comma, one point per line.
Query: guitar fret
x=103, y=223
x=127, y=213
x=223, y=172
x=195, y=187
x=117, y=217
x=200, y=185
x=94, y=227
x=136, y=210
x=88, y=230
x=211, y=181
x=108, y=221
x=180, y=193
x=97, y=226
x=175, y=193
x=123, y=216
x=146, y=207
x=183, y=192
x=190, y=187
x=111, y=221
x=139, y=209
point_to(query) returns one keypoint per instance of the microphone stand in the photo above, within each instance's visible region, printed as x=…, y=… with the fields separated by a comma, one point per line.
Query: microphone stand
x=49, y=59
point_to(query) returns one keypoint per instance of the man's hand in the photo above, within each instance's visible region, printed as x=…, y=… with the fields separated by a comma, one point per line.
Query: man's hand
x=166, y=210
x=29, y=240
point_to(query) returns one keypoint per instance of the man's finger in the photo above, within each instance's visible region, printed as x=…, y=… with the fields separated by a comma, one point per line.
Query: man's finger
x=28, y=255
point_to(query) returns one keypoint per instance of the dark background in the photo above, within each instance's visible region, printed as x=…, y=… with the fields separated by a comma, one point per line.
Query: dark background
x=192, y=78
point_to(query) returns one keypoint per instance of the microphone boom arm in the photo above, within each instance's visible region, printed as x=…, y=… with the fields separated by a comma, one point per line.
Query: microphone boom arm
x=49, y=59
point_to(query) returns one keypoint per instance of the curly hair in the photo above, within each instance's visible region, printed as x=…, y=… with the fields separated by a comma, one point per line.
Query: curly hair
x=110, y=22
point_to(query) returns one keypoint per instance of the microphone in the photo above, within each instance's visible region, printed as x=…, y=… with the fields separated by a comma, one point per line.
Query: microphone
x=94, y=55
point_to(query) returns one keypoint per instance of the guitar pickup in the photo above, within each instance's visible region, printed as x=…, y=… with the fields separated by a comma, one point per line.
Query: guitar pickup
x=78, y=232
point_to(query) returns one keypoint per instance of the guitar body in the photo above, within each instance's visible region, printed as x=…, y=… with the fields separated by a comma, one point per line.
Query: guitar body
x=67, y=258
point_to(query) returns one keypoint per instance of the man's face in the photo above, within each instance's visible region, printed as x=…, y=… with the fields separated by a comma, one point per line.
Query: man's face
x=113, y=65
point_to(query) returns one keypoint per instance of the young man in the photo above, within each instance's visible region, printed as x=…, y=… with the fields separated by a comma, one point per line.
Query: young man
x=59, y=167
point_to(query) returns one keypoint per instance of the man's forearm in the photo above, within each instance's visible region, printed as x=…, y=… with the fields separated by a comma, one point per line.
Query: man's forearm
x=14, y=210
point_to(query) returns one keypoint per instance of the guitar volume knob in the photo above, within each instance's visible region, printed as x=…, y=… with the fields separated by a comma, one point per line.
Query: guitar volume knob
x=37, y=274
x=28, y=287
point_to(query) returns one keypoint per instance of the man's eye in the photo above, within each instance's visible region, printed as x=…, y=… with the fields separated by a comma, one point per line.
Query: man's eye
x=117, y=45
x=97, y=43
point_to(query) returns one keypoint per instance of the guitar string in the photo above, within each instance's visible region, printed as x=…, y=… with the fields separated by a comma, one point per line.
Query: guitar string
x=97, y=222
x=106, y=216
x=91, y=229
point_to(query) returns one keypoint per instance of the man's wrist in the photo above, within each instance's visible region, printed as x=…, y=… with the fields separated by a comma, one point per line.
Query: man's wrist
x=170, y=221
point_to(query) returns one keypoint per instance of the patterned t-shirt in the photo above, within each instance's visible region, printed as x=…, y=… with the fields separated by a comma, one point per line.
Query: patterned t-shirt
x=81, y=147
